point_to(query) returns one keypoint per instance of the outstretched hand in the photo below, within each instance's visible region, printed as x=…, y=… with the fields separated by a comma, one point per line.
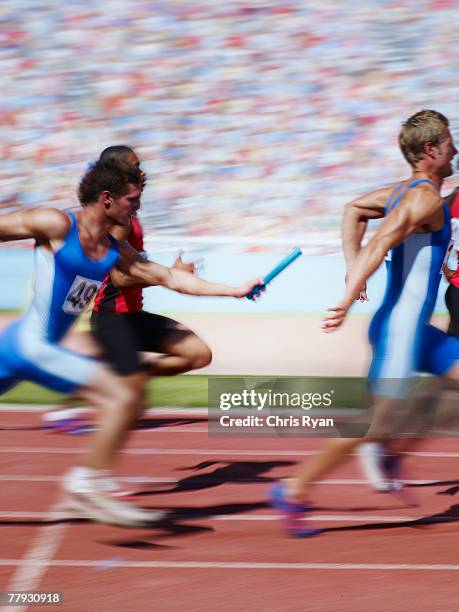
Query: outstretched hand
x=363, y=296
x=181, y=265
x=335, y=319
x=246, y=288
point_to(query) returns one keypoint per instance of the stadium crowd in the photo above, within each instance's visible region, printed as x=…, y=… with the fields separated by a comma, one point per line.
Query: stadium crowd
x=253, y=118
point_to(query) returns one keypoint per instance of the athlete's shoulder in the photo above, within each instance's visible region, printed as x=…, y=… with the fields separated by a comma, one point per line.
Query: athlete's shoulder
x=49, y=223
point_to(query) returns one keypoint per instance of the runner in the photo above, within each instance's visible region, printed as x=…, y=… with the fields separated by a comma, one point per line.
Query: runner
x=73, y=254
x=416, y=231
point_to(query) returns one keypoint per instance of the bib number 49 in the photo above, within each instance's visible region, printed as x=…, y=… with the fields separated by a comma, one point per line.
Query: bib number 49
x=80, y=295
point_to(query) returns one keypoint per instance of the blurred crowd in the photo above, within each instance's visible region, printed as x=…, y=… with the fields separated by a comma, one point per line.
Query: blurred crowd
x=253, y=118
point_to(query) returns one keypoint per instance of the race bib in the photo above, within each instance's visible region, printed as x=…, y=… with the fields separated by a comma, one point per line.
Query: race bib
x=80, y=295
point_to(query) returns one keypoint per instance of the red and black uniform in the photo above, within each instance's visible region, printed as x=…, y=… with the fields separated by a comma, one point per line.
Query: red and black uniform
x=120, y=325
x=452, y=293
x=128, y=299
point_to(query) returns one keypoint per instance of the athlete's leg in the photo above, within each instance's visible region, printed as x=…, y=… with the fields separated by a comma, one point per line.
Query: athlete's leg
x=69, y=417
x=181, y=350
x=334, y=453
x=82, y=342
x=121, y=401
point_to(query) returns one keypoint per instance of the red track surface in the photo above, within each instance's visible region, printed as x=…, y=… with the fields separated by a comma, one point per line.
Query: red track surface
x=227, y=552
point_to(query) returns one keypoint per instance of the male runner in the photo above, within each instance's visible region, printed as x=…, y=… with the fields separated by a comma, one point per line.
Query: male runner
x=73, y=254
x=416, y=230
x=124, y=330
x=375, y=456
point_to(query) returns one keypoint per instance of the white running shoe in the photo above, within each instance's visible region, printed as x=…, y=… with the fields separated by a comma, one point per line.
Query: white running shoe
x=108, y=483
x=371, y=456
x=92, y=498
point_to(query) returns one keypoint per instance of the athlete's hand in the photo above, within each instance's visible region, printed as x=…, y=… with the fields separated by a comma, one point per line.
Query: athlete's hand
x=247, y=287
x=363, y=296
x=181, y=265
x=335, y=319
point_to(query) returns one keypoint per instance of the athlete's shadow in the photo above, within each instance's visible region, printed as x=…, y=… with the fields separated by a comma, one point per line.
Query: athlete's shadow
x=171, y=526
x=247, y=472
x=451, y=515
x=230, y=509
x=157, y=422
x=452, y=490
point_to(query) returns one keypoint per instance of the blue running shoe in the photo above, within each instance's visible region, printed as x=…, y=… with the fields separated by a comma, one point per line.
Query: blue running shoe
x=292, y=513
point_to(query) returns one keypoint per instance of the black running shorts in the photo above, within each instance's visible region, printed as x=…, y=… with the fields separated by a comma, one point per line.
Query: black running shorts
x=124, y=336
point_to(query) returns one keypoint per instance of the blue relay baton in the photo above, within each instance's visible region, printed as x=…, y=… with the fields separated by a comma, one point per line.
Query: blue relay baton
x=274, y=272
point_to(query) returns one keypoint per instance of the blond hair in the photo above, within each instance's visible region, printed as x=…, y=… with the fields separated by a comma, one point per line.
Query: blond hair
x=421, y=128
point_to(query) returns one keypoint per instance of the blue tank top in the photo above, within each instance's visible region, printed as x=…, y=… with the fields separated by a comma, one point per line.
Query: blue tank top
x=65, y=283
x=414, y=267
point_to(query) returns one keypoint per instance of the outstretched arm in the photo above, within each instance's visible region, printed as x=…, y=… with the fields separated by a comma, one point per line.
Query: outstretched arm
x=133, y=270
x=416, y=211
x=43, y=224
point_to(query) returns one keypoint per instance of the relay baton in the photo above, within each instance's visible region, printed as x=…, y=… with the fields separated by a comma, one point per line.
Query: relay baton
x=274, y=272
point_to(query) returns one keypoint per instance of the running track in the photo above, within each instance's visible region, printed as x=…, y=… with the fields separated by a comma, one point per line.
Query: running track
x=224, y=551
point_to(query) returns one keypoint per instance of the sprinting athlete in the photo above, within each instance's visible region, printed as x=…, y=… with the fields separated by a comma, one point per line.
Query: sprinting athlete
x=123, y=330
x=73, y=254
x=416, y=231
x=374, y=456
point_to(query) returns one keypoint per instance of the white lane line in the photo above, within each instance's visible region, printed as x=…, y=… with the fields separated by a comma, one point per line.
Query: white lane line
x=212, y=565
x=208, y=478
x=59, y=515
x=199, y=451
x=152, y=411
x=34, y=478
x=32, y=567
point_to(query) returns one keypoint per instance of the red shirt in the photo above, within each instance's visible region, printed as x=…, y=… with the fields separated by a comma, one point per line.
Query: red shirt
x=128, y=299
x=454, y=279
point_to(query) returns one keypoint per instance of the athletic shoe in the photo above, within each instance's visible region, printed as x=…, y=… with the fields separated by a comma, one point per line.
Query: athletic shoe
x=112, y=486
x=67, y=420
x=293, y=513
x=91, y=499
x=392, y=468
x=371, y=457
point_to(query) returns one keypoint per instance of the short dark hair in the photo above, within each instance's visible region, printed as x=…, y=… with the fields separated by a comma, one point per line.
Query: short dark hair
x=107, y=175
x=117, y=152
x=419, y=129
x=120, y=153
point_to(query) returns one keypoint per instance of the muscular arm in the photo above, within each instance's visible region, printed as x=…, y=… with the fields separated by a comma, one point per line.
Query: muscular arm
x=413, y=214
x=355, y=220
x=132, y=270
x=43, y=224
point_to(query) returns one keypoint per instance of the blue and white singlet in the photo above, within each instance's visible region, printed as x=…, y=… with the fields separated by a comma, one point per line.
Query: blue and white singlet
x=65, y=283
x=403, y=342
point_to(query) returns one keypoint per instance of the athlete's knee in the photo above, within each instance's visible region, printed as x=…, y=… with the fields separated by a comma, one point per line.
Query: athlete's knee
x=114, y=392
x=200, y=354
